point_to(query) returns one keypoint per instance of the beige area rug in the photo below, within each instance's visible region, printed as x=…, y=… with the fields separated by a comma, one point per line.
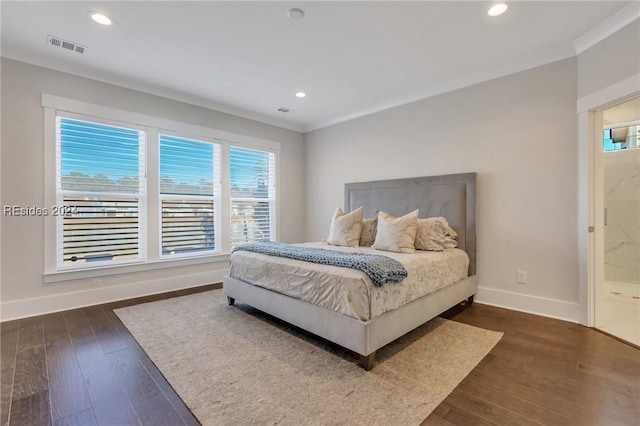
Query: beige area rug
x=233, y=365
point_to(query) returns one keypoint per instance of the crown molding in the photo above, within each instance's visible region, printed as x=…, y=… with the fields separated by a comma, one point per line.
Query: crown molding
x=611, y=94
x=147, y=88
x=608, y=27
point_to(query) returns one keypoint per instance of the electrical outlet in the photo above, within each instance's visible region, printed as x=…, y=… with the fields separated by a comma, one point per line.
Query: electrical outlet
x=522, y=277
x=97, y=282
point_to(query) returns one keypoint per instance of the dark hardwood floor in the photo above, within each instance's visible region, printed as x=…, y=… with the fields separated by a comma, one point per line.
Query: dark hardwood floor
x=82, y=367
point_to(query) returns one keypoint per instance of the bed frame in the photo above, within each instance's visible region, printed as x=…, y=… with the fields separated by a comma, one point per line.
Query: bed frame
x=451, y=196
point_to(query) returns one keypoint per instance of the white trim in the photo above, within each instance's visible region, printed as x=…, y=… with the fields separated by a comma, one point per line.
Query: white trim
x=49, y=186
x=604, y=315
x=278, y=223
x=154, y=126
x=154, y=90
x=140, y=195
x=552, y=308
x=153, y=196
x=271, y=196
x=162, y=124
x=596, y=205
x=225, y=194
x=76, y=274
x=626, y=88
x=214, y=198
x=24, y=308
x=586, y=108
x=585, y=218
x=609, y=26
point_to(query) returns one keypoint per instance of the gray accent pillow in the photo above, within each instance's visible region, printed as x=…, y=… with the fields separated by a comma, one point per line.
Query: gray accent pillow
x=368, y=235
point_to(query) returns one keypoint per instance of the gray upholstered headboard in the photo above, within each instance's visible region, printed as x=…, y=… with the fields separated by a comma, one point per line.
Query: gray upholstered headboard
x=451, y=196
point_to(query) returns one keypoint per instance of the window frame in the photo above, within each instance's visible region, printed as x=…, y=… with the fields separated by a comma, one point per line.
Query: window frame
x=216, y=197
x=140, y=196
x=272, y=197
x=154, y=126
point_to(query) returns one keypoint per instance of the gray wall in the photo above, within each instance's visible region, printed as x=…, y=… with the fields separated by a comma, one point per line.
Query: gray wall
x=518, y=132
x=610, y=61
x=23, y=160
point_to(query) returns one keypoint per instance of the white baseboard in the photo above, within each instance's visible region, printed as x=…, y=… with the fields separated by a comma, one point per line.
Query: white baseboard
x=17, y=309
x=552, y=308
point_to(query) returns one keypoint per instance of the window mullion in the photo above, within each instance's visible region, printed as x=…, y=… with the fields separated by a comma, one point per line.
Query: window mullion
x=225, y=200
x=154, y=224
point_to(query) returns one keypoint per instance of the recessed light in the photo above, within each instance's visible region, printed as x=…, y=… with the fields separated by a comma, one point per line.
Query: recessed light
x=295, y=14
x=497, y=9
x=300, y=95
x=100, y=18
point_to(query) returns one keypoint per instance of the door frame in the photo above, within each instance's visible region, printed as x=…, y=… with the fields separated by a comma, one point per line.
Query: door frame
x=587, y=108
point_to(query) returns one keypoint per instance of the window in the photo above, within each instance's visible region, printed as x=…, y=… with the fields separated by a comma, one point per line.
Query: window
x=100, y=183
x=150, y=195
x=252, y=195
x=621, y=137
x=188, y=195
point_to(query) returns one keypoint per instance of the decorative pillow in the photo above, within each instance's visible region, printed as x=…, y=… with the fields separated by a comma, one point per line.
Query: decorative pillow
x=435, y=234
x=396, y=234
x=450, y=231
x=450, y=242
x=346, y=228
x=368, y=235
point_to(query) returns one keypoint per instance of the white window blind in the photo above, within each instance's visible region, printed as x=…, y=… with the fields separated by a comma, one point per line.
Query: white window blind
x=253, y=195
x=100, y=181
x=189, y=195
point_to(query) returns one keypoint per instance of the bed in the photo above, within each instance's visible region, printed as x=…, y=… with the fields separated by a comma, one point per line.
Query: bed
x=450, y=196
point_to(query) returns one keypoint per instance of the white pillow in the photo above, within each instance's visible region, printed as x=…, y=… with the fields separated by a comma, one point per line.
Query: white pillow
x=346, y=228
x=435, y=234
x=368, y=235
x=396, y=234
x=450, y=242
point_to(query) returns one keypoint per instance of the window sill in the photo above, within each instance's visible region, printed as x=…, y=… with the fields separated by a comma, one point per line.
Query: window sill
x=78, y=274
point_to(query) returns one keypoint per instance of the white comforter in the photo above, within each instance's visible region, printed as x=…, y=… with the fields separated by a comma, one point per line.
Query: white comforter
x=349, y=291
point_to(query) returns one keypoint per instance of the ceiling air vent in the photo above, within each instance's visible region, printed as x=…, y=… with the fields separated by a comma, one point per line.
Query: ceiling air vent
x=65, y=44
x=284, y=110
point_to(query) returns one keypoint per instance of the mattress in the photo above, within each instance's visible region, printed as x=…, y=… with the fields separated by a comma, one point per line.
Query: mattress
x=348, y=291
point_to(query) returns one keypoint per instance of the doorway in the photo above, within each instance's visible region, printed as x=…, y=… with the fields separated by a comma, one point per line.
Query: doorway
x=617, y=220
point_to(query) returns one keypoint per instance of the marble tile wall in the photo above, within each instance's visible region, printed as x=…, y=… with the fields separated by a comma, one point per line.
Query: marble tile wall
x=622, y=203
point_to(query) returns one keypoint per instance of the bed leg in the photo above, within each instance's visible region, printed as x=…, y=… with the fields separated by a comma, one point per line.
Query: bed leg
x=231, y=300
x=470, y=300
x=367, y=361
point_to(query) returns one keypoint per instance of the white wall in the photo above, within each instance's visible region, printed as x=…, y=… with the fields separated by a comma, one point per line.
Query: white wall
x=519, y=133
x=612, y=60
x=23, y=290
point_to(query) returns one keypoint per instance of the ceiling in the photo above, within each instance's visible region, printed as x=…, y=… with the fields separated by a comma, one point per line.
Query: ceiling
x=249, y=59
